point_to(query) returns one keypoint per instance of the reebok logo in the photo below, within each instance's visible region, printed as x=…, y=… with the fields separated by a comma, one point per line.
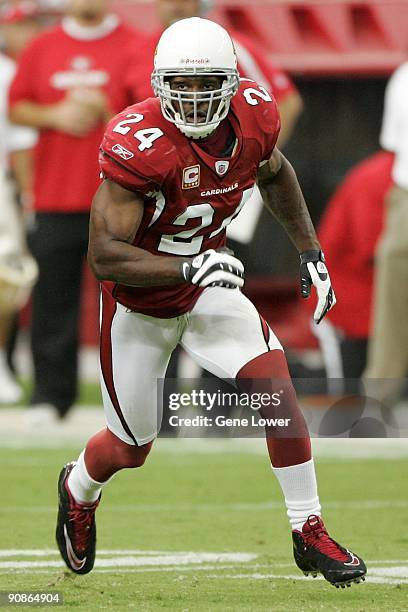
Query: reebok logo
x=122, y=152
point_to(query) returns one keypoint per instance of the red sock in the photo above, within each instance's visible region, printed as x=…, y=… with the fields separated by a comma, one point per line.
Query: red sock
x=106, y=454
x=269, y=373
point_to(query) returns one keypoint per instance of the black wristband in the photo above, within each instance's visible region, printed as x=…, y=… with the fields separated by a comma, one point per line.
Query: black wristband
x=309, y=256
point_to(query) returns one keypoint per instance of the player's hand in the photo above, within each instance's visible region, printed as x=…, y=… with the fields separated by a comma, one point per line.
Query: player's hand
x=214, y=269
x=313, y=271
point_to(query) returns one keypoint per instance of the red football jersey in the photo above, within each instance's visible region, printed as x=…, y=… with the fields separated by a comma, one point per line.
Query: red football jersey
x=66, y=167
x=190, y=196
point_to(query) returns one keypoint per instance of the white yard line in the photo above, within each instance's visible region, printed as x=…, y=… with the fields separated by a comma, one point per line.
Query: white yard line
x=140, y=570
x=53, y=552
x=47, y=552
x=388, y=572
x=257, y=576
x=163, y=560
x=398, y=576
x=369, y=581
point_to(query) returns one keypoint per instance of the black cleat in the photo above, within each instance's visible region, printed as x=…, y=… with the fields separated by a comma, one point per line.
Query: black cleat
x=316, y=552
x=76, y=530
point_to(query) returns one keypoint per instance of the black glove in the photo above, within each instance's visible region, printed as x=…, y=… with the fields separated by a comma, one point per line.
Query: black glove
x=313, y=271
x=214, y=269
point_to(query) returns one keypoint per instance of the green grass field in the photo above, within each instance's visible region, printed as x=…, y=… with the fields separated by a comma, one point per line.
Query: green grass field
x=89, y=392
x=155, y=524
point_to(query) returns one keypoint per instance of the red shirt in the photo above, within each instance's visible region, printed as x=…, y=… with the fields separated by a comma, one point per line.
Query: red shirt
x=348, y=232
x=190, y=196
x=66, y=167
x=252, y=64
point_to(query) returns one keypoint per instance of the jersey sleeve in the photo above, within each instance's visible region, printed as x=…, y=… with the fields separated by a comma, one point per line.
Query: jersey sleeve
x=271, y=128
x=132, y=162
x=259, y=116
x=268, y=123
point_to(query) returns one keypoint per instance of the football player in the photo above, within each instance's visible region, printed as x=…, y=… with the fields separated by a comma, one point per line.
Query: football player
x=177, y=169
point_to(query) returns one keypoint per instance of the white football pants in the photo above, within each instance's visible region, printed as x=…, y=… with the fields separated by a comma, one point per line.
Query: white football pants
x=222, y=333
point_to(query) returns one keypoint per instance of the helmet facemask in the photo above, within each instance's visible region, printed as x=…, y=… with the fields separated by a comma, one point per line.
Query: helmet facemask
x=173, y=101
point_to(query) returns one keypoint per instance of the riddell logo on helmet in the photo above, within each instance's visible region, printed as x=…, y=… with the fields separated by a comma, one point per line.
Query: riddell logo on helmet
x=198, y=61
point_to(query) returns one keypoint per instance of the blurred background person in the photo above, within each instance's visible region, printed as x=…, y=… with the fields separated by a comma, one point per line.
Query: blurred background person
x=349, y=231
x=19, y=23
x=388, y=346
x=68, y=84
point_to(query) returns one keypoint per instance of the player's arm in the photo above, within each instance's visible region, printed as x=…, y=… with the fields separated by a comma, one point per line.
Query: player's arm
x=116, y=215
x=283, y=196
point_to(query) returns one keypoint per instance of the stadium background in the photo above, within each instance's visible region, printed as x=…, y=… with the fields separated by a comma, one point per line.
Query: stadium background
x=340, y=54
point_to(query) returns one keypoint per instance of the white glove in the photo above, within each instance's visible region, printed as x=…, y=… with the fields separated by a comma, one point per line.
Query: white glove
x=313, y=271
x=214, y=269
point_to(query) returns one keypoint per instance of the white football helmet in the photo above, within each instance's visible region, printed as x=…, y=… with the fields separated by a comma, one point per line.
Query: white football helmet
x=195, y=47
